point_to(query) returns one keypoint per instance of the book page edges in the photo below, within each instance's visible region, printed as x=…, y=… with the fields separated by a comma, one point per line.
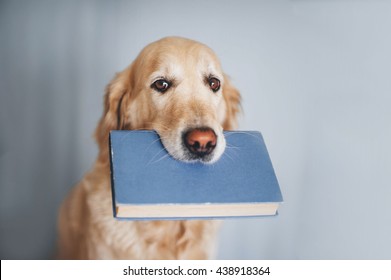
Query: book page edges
x=196, y=210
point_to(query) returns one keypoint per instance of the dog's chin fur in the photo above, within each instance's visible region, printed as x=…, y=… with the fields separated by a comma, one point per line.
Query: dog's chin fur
x=87, y=229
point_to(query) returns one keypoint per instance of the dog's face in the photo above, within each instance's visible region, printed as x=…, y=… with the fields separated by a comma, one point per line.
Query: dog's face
x=181, y=83
x=176, y=87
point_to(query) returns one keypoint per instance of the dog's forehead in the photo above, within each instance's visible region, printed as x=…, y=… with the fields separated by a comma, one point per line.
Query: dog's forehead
x=180, y=62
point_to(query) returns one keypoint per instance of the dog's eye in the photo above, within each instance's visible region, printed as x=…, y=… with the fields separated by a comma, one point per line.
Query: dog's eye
x=161, y=85
x=214, y=84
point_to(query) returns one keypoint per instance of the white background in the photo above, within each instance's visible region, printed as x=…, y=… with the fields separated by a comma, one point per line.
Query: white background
x=315, y=77
x=278, y=269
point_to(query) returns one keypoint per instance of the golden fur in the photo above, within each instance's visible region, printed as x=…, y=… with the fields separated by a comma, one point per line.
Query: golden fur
x=87, y=229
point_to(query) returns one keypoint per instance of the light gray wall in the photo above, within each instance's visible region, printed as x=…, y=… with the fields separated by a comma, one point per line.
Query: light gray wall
x=315, y=78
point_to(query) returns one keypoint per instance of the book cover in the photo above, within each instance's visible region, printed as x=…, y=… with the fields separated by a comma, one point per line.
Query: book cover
x=147, y=183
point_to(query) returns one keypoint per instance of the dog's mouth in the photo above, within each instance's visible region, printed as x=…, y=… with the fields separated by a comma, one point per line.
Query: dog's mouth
x=201, y=144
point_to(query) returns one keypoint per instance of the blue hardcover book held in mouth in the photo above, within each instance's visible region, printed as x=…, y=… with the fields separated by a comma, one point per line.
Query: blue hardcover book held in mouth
x=149, y=184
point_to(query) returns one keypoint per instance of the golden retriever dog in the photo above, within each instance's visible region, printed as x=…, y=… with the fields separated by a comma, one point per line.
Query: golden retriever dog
x=175, y=86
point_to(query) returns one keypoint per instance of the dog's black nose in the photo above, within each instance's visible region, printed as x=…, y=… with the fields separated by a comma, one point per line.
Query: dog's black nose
x=200, y=141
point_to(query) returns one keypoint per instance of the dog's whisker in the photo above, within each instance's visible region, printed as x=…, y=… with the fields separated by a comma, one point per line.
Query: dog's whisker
x=163, y=157
x=229, y=133
x=151, y=160
x=232, y=147
x=229, y=157
x=154, y=141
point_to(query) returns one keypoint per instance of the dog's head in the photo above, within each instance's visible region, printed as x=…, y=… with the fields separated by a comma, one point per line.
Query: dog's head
x=175, y=86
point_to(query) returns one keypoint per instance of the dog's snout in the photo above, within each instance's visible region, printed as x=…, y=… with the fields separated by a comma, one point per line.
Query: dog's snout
x=200, y=141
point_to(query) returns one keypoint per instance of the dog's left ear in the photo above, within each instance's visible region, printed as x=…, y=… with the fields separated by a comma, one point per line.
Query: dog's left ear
x=232, y=100
x=116, y=96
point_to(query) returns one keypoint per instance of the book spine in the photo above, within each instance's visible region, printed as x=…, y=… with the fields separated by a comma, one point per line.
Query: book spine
x=112, y=179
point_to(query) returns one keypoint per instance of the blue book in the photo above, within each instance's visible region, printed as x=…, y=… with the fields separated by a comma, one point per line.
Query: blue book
x=147, y=183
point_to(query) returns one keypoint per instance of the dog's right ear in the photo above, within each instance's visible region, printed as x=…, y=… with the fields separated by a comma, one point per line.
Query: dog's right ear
x=232, y=100
x=113, y=118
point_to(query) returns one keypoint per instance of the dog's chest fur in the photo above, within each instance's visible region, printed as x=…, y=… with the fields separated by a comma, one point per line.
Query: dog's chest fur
x=188, y=239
